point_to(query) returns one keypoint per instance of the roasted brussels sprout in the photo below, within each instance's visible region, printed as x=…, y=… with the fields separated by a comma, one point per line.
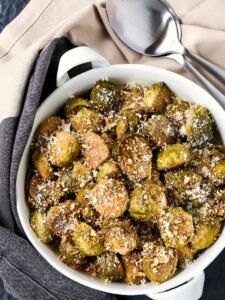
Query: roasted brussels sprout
x=159, y=131
x=120, y=237
x=62, y=218
x=204, y=160
x=81, y=174
x=185, y=255
x=218, y=173
x=173, y=156
x=200, y=127
x=42, y=165
x=176, y=113
x=133, y=269
x=86, y=120
x=43, y=193
x=87, y=240
x=95, y=150
x=185, y=185
x=205, y=234
x=107, y=170
x=132, y=95
x=147, y=201
x=40, y=227
x=107, y=267
x=75, y=104
x=105, y=96
x=47, y=128
x=127, y=123
x=66, y=182
x=70, y=254
x=71, y=180
x=89, y=213
x=176, y=227
x=110, y=198
x=159, y=262
x=135, y=158
x=157, y=97
x=215, y=209
x=63, y=149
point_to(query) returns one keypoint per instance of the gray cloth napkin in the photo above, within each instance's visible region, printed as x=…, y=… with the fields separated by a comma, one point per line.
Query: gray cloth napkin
x=26, y=275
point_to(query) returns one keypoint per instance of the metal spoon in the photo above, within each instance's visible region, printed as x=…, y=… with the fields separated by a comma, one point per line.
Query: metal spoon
x=216, y=71
x=150, y=28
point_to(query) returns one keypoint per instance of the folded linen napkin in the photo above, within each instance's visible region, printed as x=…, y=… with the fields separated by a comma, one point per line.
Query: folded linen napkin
x=26, y=78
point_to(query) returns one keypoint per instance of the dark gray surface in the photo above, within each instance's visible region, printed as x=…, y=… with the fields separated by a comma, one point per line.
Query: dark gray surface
x=215, y=273
x=9, y=9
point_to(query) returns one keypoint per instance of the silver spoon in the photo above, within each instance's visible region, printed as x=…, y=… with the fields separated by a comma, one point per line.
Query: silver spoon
x=151, y=28
x=216, y=71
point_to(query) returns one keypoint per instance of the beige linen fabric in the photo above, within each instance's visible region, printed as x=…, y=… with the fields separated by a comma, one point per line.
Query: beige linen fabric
x=84, y=22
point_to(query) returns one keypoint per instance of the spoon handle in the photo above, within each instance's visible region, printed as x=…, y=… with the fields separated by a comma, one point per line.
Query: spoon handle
x=207, y=85
x=216, y=71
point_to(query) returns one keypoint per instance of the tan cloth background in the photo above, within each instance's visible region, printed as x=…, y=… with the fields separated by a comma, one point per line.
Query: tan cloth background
x=84, y=22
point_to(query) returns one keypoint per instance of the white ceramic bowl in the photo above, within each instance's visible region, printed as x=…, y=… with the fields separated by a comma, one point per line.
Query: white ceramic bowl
x=122, y=74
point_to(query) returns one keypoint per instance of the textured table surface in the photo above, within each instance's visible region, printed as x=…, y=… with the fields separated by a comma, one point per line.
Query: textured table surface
x=215, y=273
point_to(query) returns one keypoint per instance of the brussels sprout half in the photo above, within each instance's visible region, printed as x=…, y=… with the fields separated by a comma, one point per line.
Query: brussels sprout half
x=159, y=262
x=157, y=97
x=135, y=158
x=120, y=237
x=40, y=226
x=176, y=227
x=87, y=240
x=64, y=149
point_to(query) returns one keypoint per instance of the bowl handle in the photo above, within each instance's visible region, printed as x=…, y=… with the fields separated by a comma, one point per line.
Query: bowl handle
x=77, y=57
x=191, y=290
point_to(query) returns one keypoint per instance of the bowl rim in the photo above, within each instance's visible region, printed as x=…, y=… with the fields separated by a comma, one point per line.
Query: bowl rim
x=116, y=288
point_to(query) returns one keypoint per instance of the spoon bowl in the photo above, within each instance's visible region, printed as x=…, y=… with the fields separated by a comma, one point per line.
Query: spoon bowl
x=148, y=28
